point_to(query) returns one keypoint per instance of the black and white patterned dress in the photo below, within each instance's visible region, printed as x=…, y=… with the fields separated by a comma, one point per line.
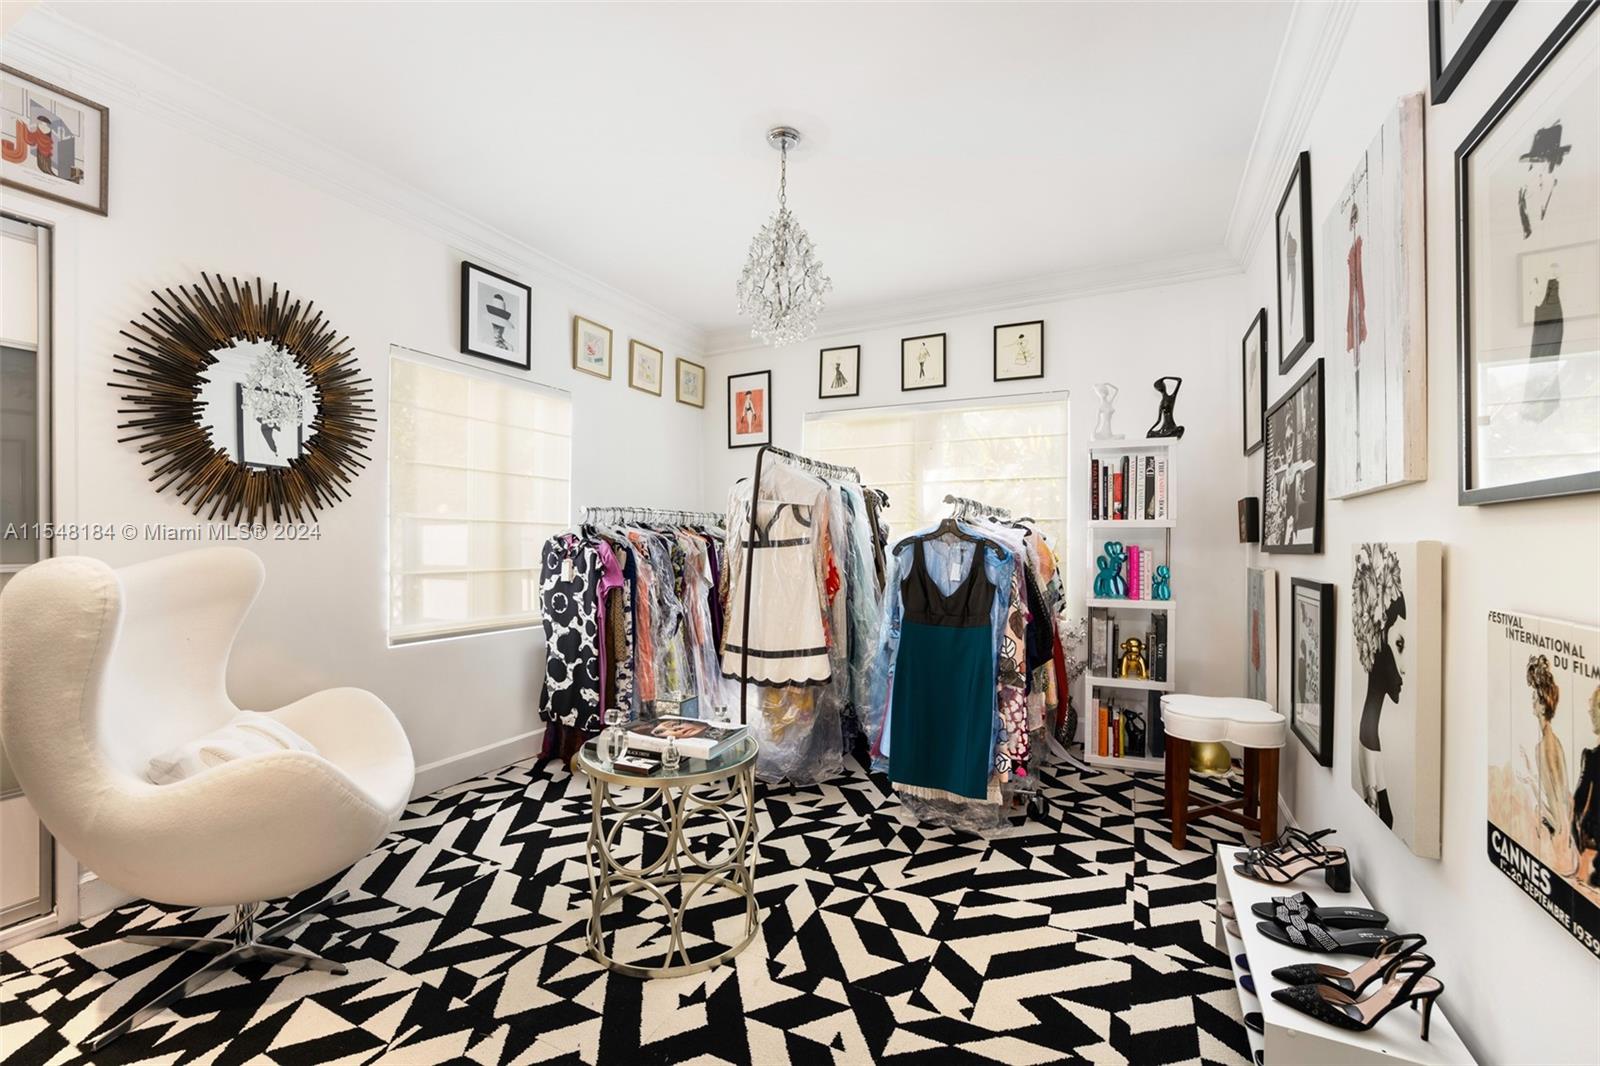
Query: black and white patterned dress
x=568, y=597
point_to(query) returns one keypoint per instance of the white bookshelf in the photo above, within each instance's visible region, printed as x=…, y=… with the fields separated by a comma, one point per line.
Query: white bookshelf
x=1153, y=533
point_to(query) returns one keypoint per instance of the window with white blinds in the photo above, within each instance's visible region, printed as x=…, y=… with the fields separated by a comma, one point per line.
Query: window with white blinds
x=480, y=471
x=1011, y=455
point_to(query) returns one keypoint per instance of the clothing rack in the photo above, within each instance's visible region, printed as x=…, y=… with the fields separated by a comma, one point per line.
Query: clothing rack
x=967, y=507
x=650, y=516
x=814, y=466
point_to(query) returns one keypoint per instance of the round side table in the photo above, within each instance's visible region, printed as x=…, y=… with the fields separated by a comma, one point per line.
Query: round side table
x=724, y=786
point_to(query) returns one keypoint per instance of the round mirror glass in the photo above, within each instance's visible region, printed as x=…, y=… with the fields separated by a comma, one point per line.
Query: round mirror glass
x=258, y=404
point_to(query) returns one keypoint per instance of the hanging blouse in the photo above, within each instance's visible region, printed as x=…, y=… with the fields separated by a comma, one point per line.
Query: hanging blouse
x=568, y=594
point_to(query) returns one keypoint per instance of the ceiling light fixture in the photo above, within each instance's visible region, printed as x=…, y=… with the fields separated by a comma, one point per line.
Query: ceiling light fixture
x=782, y=284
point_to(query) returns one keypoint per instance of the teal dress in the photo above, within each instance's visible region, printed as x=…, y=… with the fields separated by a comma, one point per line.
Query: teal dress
x=944, y=681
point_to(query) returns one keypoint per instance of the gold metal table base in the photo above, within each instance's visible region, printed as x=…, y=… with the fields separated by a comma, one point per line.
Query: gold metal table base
x=726, y=790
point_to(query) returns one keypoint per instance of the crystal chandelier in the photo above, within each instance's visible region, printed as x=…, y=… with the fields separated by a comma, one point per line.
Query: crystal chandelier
x=274, y=382
x=782, y=284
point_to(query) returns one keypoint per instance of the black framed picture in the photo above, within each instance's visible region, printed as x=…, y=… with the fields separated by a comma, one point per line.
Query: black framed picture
x=839, y=372
x=1250, y=520
x=1312, y=666
x=750, y=409
x=1528, y=277
x=922, y=362
x=1019, y=351
x=1253, y=363
x=1457, y=32
x=496, y=312
x=1292, y=251
x=1292, y=470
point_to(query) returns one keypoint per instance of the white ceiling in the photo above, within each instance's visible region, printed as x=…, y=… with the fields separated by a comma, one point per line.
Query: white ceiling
x=948, y=147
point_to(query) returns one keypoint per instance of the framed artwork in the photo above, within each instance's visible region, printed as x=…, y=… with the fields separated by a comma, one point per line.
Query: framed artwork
x=1376, y=278
x=263, y=446
x=1253, y=363
x=1292, y=470
x=1527, y=181
x=1457, y=32
x=1395, y=596
x=839, y=372
x=1311, y=671
x=591, y=347
x=750, y=409
x=53, y=143
x=495, y=316
x=1019, y=351
x=1261, y=634
x=645, y=366
x=691, y=383
x=1292, y=242
x=1544, y=765
x=922, y=362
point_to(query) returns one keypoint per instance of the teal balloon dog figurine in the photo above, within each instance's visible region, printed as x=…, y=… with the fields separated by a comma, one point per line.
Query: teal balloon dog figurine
x=1161, y=584
x=1109, y=582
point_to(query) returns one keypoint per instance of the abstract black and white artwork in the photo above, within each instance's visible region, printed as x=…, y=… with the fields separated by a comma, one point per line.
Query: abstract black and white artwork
x=1544, y=764
x=1528, y=180
x=1395, y=598
x=839, y=372
x=1253, y=364
x=1292, y=243
x=1311, y=642
x=263, y=441
x=495, y=316
x=1375, y=272
x=1292, y=493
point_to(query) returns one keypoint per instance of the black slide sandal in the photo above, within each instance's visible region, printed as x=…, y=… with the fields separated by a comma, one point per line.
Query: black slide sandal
x=1328, y=941
x=1283, y=908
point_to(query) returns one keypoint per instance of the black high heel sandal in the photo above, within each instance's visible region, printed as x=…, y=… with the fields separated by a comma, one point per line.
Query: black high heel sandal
x=1406, y=981
x=1292, y=841
x=1353, y=982
x=1310, y=937
x=1283, y=908
x=1280, y=869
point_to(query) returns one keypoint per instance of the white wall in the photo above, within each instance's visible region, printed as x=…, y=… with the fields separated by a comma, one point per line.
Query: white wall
x=1521, y=990
x=180, y=204
x=1127, y=338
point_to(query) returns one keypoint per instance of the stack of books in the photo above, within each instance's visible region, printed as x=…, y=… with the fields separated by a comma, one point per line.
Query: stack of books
x=697, y=738
x=1127, y=487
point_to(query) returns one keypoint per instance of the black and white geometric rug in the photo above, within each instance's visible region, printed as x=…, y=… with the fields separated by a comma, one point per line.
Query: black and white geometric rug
x=1080, y=936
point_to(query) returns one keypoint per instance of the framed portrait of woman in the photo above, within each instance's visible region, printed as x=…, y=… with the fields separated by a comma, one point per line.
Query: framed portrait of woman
x=750, y=409
x=1311, y=643
x=1396, y=743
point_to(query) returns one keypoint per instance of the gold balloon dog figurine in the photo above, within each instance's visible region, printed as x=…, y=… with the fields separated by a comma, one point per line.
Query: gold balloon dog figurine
x=1133, y=660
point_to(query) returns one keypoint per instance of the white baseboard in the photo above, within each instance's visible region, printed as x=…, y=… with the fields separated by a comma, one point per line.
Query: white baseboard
x=97, y=897
x=469, y=764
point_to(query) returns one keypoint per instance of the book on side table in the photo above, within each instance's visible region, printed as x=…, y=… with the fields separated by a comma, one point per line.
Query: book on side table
x=697, y=738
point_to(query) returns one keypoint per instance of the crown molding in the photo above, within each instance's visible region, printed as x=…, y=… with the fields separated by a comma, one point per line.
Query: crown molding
x=1049, y=288
x=1305, y=60
x=54, y=47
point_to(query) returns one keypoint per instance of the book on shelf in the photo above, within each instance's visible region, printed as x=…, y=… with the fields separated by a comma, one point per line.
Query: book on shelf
x=1149, y=510
x=1146, y=575
x=1158, y=646
x=1155, y=734
x=1105, y=491
x=1103, y=730
x=1094, y=489
x=697, y=738
x=1137, y=494
x=1161, y=487
x=1135, y=568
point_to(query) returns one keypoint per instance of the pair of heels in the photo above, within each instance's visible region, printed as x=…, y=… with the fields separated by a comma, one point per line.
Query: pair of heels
x=1293, y=853
x=1298, y=922
x=1397, y=975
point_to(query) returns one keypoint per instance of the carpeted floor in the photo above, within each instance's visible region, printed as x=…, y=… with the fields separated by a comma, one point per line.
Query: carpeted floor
x=1079, y=936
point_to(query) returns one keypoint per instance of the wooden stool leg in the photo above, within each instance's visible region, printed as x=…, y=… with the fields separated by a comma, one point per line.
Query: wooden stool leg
x=1178, y=786
x=1269, y=794
x=1252, y=780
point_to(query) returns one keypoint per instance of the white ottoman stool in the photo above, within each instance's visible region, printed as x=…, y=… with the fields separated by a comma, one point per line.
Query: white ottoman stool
x=1251, y=724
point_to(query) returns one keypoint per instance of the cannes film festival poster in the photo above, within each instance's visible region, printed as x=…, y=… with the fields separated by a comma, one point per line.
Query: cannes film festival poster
x=1544, y=765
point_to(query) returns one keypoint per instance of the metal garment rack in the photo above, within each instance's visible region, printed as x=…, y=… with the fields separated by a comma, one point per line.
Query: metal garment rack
x=806, y=463
x=650, y=516
x=966, y=507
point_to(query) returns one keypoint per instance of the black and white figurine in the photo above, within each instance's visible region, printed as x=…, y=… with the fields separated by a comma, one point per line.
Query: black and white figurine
x=1165, y=426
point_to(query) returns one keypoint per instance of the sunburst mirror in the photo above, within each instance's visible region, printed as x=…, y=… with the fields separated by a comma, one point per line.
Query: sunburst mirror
x=246, y=404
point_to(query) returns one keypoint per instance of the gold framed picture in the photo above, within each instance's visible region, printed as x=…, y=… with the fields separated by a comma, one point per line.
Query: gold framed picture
x=591, y=347
x=691, y=383
x=645, y=363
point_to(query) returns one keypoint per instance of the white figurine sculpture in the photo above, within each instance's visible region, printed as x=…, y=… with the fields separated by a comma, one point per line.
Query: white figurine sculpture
x=1102, y=423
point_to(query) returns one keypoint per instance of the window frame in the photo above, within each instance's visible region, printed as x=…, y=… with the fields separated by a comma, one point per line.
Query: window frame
x=413, y=635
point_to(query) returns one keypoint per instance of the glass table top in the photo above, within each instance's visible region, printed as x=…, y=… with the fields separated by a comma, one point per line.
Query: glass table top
x=689, y=771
